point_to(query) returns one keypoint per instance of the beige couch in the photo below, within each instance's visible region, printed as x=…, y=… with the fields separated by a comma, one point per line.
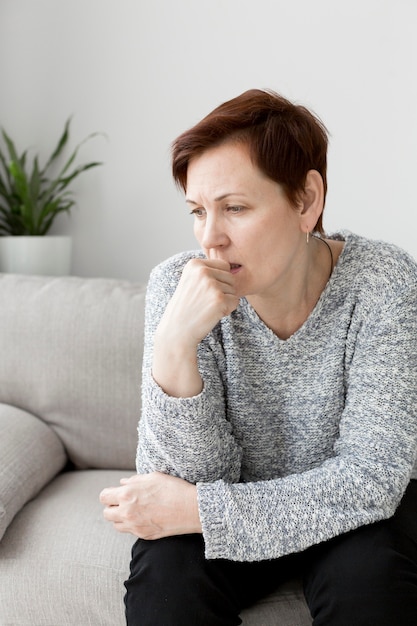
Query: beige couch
x=70, y=366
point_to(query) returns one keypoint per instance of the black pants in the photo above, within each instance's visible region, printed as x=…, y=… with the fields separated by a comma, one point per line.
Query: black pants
x=367, y=577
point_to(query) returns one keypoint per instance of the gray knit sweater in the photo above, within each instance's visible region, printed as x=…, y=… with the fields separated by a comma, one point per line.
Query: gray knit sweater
x=292, y=442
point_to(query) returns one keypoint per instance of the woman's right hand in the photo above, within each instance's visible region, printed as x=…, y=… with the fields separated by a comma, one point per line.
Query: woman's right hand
x=205, y=294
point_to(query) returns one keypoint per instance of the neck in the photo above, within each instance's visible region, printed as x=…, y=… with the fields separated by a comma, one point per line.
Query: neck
x=287, y=308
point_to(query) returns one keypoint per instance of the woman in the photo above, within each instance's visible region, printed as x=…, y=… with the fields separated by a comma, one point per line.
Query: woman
x=279, y=425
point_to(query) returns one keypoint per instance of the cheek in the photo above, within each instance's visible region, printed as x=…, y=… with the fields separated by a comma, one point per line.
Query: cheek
x=197, y=231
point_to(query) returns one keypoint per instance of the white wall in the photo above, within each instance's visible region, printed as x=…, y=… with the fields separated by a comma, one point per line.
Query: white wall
x=142, y=72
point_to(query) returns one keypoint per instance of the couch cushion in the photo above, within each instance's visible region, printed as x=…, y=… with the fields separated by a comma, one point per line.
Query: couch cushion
x=30, y=456
x=71, y=352
x=72, y=570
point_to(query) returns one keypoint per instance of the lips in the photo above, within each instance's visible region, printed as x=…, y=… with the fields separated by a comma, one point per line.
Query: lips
x=234, y=267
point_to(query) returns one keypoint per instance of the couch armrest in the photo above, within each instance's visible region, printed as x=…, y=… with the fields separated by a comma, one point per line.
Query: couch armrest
x=31, y=454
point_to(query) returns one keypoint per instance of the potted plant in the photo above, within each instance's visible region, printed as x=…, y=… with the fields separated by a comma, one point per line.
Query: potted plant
x=31, y=197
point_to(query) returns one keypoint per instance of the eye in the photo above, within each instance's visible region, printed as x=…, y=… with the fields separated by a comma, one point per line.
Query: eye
x=198, y=213
x=234, y=209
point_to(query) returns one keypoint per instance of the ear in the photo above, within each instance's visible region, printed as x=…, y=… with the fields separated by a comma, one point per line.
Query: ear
x=311, y=201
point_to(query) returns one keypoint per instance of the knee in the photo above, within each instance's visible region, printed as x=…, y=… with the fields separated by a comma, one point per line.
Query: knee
x=170, y=584
x=364, y=582
x=157, y=587
x=165, y=565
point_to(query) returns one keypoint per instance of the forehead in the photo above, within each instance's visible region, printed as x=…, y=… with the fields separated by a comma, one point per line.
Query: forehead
x=222, y=168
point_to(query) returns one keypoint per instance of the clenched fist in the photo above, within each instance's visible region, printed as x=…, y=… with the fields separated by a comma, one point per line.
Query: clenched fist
x=205, y=293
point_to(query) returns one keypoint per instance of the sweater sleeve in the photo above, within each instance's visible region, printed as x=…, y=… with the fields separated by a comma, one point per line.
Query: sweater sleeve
x=362, y=482
x=186, y=437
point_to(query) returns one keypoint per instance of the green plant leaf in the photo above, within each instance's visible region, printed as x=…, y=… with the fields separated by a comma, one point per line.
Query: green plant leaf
x=64, y=182
x=10, y=146
x=5, y=167
x=30, y=199
x=20, y=179
x=12, y=223
x=54, y=206
x=34, y=189
x=60, y=183
x=48, y=219
x=75, y=152
x=63, y=140
x=4, y=190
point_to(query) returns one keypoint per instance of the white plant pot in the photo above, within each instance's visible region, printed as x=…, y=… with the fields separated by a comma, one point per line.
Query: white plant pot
x=46, y=255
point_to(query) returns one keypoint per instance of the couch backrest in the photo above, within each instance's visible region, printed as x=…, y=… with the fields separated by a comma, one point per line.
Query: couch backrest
x=71, y=353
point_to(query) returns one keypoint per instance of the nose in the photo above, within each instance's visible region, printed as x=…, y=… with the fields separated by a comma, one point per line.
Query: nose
x=212, y=234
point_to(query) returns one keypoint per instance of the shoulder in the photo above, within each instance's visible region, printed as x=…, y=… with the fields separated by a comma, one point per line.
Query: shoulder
x=377, y=269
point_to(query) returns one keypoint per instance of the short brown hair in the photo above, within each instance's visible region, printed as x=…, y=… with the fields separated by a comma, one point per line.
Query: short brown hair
x=285, y=140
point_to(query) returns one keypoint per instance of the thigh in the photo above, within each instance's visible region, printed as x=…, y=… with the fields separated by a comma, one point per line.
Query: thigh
x=368, y=576
x=173, y=584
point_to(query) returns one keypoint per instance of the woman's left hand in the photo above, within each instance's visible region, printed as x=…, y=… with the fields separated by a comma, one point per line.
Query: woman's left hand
x=151, y=506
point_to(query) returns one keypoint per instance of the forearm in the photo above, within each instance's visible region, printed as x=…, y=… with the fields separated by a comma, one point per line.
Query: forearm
x=174, y=367
x=186, y=437
x=270, y=519
x=204, y=294
x=184, y=430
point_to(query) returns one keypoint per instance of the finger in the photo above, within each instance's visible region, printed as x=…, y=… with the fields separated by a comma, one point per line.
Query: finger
x=103, y=496
x=225, y=280
x=110, y=496
x=220, y=264
x=232, y=303
x=133, y=479
x=112, y=514
x=211, y=266
x=229, y=304
x=217, y=270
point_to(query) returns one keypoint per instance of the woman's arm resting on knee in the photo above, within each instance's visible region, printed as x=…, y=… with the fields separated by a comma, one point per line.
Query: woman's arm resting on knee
x=151, y=506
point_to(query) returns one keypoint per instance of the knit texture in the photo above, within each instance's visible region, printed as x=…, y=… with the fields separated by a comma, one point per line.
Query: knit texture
x=292, y=442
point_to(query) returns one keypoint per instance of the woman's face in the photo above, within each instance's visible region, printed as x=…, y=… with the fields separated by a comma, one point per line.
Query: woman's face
x=243, y=217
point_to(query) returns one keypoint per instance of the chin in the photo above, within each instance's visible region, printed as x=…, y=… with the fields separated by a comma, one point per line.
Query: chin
x=242, y=292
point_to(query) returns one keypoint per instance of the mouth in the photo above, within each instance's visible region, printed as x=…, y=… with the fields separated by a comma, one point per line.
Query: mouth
x=234, y=267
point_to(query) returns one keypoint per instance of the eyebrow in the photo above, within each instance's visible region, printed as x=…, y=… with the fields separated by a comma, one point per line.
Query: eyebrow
x=218, y=199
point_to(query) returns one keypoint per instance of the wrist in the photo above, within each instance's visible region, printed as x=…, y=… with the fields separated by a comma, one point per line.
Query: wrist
x=193, y=513
x=174, y=340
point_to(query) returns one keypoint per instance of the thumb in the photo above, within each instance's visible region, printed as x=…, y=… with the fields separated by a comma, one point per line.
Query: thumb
x=125, y=481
